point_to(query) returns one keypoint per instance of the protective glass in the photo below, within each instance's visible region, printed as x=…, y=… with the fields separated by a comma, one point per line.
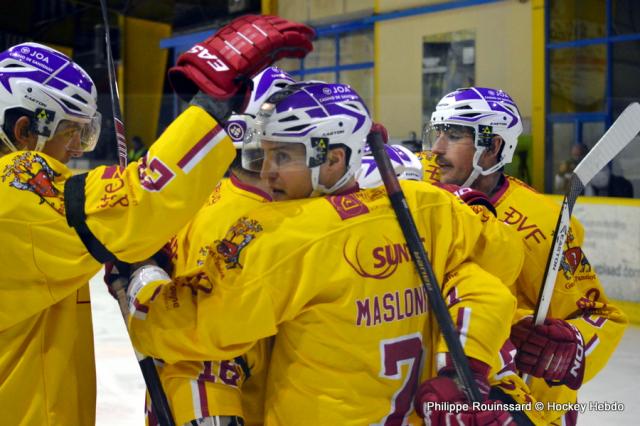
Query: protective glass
x=271, y=156
x=450, y=133
x=252, y=154
x=88, y=132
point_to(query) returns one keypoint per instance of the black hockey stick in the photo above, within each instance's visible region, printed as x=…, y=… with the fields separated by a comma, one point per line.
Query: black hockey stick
x=618, y=136
x=113, y=89
x=160, y=405
x=421, y=262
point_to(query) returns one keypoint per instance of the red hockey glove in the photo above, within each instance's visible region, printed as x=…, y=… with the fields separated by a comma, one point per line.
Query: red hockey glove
x=470, y=196
x=224, y=63
x=553, y=351
x=439, y=401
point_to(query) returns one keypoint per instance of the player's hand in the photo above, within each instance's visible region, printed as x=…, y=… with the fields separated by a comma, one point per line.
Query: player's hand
x=470, y=196
x=116, y=276
x=436, y=399
x=553, y=351
x=223, y=64
x=434, y=393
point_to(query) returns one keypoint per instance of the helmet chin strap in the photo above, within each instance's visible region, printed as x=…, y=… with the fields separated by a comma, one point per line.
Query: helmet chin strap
x=319, y=188
x=5, y=139
x=477, y=170
x=40, y=143
x=42, y=140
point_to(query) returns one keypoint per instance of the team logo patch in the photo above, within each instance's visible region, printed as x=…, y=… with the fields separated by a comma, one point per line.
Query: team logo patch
x=348, y=205
x=236, y=239
x=573, y=258
x=485, y=134
x=320, y=148
x=236, y=130
x=30, y=172
x=44, y=118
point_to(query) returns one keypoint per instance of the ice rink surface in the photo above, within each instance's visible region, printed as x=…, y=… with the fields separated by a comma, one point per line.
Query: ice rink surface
x=121, y=388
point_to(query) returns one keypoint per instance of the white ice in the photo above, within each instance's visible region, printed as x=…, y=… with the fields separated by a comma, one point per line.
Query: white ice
x=121, y=388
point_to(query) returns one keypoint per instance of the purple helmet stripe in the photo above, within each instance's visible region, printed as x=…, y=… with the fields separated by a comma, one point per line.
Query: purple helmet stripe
x=337, y=109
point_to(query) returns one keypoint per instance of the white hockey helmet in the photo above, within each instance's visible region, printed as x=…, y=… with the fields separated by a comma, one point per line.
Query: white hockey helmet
x=265, y=84
x=487, y=112
x=320, y=116
x=405, y=163
x=54, y=91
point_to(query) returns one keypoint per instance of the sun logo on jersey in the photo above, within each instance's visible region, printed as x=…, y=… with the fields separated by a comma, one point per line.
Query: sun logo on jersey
x=30, y=172
x=573, y=258
x=236, y=239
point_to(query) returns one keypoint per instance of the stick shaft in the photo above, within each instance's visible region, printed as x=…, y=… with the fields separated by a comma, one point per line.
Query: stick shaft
x=425, y=271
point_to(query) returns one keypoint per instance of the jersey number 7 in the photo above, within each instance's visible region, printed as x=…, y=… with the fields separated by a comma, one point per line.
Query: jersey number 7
x=395, y=353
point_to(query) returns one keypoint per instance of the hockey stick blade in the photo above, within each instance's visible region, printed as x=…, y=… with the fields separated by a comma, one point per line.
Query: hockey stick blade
x=615, y=139
x=423, y=267
x=618, y=136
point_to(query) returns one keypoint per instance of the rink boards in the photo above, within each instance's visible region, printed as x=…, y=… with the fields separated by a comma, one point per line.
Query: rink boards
x=612, y=244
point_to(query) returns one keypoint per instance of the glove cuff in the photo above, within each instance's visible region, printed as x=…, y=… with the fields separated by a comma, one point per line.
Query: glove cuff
x=221, y=110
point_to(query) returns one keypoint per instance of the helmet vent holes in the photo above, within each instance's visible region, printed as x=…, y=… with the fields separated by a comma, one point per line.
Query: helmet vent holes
x=470, y=115
x=289, y=118
x=70, y=105
x=296, y=128
x=79, y=98
x=464, y=107
x=340, y=124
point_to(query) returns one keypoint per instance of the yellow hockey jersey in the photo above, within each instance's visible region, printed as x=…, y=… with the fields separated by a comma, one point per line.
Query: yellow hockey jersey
x=47, y=373
x=198, y=389
x=333, y=278
x=578, y=295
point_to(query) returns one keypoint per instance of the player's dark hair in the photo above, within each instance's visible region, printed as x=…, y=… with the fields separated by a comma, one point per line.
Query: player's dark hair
x=11, y=116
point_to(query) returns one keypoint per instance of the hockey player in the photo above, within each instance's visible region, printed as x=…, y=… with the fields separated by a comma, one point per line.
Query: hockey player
x=331, y=276
x=472, y=135
x=216, y=385
x=48, y=115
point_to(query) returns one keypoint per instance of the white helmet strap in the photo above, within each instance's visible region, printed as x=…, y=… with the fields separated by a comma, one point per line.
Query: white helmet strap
x=40, y=143
x=478, y=170
x=5, y=139
x=321, y=189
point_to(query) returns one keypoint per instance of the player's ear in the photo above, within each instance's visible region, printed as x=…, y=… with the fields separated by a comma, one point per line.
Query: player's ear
x=336, y=156
x=496, y=146
x=22, y=133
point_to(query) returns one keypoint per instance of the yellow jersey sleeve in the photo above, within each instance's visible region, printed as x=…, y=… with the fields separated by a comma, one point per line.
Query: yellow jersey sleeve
x=126, y=208
x=478, y=304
